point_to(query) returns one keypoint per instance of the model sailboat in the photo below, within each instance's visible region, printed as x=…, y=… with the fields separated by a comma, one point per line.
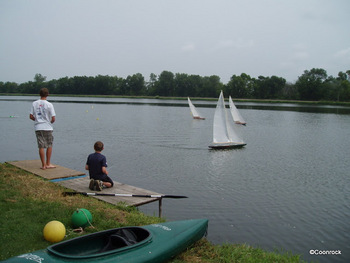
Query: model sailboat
x=237, y=117
x=224, y=136
x=194, y=111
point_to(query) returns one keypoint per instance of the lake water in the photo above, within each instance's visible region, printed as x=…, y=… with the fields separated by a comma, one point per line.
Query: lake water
x=287, y=189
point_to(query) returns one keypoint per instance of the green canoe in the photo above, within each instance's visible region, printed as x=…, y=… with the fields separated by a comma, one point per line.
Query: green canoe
x=151, y=243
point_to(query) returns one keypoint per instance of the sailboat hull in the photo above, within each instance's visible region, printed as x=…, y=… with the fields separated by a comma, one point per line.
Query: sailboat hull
x=241, y=123
x=218, y=146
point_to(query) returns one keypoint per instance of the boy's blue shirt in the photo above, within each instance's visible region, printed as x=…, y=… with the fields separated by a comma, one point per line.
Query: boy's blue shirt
x=96, y=161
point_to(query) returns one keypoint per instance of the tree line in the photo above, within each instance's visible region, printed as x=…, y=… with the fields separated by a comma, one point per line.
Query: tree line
x=313, y=85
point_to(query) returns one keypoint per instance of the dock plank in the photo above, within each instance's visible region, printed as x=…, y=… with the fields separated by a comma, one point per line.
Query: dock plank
x=74, y=180
x=82, y=185
x=33, y=166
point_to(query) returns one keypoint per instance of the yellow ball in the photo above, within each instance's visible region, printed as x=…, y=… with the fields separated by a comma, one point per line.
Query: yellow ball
x=54, y=231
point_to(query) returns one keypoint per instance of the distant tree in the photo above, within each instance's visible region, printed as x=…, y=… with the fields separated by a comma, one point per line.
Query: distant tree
x=314, y=84
x=89, y=85
x=9, y=87
x=165, y=85
x=38, y=78
x=117, y=84
x=64, y=86
x=183, y=87
x=80, y=85
x=343, y=90
x=151, y=84
x=52, y=86
x=135, y=84
x=289, y=92
x=211, y=86
x=269, y=87
x=276, y=85
x=103, y=85
x=239, y=86
x=342, y=76
x=310, y=84
x=196, y=85
x=34, y=87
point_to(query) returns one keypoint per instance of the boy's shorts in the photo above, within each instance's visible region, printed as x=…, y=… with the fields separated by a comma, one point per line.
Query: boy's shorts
x=108, y=179
x=44, y=138
x=103, y=178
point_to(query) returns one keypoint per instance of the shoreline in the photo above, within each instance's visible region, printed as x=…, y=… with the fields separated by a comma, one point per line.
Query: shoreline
x=271, y=101
x=45, y=203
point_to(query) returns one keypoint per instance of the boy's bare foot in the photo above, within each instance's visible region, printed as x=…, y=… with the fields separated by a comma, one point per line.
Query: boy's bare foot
x=43, y=168
x=50, y=166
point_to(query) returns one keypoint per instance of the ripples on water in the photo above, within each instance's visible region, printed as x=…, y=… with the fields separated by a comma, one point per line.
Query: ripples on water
x=288, y=188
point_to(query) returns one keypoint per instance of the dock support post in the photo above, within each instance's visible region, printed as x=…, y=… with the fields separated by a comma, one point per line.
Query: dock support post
x=160, y=207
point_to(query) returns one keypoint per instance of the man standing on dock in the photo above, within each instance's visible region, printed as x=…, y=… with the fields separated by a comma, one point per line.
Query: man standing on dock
x=43, y=114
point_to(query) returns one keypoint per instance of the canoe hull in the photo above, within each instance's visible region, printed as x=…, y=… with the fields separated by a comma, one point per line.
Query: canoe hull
x=168, y=240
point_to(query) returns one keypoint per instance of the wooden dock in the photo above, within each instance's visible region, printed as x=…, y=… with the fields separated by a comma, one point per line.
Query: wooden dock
x=33, y=166
x=78, y=181
x=82, y=185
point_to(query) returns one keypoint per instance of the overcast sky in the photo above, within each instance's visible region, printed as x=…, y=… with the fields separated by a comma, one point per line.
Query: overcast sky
x=59, y=38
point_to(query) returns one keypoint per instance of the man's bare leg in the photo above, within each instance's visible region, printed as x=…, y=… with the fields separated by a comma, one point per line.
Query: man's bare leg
x=42, y=158
x=48, y=158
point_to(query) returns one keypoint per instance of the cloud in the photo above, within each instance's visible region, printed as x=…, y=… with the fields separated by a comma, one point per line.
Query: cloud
x=300, y=52
x=296, y=60
x=301, y=55
x=188, y=47
x=236, y=43
x=243, y=43
x=343, y=53
x=299, y=46
x=224, y=44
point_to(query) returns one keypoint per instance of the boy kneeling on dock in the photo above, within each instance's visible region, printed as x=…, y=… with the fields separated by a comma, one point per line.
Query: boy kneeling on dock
x=97, y=165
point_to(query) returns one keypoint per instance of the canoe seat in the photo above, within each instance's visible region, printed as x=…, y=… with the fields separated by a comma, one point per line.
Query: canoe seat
x=119, y=239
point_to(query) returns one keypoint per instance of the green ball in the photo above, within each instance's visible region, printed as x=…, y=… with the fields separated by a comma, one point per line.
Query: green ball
x=81, y=218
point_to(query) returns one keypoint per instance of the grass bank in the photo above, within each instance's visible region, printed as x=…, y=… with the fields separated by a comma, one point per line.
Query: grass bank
x=28, y=202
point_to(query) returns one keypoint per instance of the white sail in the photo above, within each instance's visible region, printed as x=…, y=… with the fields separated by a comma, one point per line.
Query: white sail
x=194, y=111
x=237, y=117
x=220, y=134
x=224, y=135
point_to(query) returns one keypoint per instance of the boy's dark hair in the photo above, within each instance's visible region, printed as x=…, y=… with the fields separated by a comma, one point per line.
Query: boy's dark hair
x=98, y=146
x=44, y=92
